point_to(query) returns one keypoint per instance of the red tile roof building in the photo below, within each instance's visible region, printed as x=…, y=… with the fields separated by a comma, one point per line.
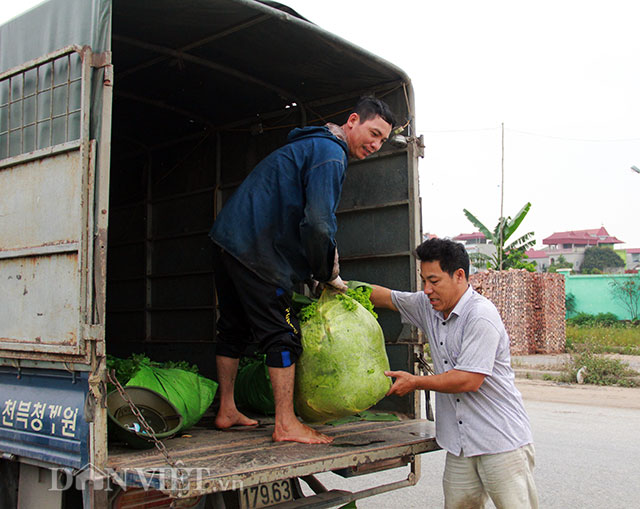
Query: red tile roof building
x=472, y=238
x=536, y=254
x=633, y=258
x=569, y=244
x=582, y=238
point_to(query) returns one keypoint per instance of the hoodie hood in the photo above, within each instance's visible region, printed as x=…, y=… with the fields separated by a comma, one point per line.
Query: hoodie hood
x=325, y=131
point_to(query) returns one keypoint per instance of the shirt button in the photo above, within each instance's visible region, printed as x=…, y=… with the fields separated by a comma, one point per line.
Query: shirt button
x=446, y=362
x=441, y=343
x=444, y=323
x=459, y=422
x=458, y=400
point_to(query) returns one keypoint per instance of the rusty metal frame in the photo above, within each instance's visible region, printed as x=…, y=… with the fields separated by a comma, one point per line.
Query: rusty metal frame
x=98, y=445
x=83, y=246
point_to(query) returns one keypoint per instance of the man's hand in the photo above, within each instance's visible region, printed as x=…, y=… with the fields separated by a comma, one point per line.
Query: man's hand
x=338, y=284
x=354, y=285
x=404, y=384
x=315, y=287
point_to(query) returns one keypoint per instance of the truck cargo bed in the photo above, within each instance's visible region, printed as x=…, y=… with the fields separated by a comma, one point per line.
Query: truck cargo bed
x=222, y=460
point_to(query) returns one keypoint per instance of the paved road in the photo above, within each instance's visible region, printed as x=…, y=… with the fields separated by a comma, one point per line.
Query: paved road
x=587, y=449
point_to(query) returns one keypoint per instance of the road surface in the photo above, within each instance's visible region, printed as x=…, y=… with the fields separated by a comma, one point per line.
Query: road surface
x=587, y=443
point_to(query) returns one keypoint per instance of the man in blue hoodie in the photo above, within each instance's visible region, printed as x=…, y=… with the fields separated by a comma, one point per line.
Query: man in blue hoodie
x=277, y=230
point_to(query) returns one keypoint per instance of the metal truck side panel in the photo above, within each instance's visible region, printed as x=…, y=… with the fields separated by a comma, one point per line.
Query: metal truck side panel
x=42, y=415
x=39, y=262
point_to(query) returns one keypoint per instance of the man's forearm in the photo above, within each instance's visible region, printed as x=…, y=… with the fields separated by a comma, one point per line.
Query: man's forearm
x=381, y=297
x=452, y=381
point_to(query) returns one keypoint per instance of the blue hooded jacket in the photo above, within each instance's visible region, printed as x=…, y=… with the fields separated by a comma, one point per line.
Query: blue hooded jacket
x=281, y=222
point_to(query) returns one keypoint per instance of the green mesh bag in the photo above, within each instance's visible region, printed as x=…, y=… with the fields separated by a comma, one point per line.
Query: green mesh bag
x=189, y=392
x=253, y=386
x=341, y=370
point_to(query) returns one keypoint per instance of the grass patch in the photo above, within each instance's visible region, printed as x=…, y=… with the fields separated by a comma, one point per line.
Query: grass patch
x=599, y=370
x=623, y=339
x=599, y=320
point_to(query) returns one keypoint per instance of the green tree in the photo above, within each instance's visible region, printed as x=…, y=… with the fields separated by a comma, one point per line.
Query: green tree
x=518, y=259
x=560, y=263
x=570, y=303
x=627, y=292
x=598, y=259
x=499, y=236
x=479, y=260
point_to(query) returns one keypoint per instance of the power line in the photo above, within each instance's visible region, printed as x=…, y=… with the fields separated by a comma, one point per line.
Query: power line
x=566, y=138
x=459, y=130
x=529, y=133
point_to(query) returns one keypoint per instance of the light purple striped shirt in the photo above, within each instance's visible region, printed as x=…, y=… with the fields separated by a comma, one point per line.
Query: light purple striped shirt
x=472, y=338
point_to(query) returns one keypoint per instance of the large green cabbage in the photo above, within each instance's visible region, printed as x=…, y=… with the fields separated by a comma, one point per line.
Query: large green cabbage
x=341, y=369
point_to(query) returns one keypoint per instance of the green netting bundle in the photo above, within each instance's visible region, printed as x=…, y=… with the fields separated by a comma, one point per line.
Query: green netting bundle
x=253, y=386
x=189, y=392
x=341, y=370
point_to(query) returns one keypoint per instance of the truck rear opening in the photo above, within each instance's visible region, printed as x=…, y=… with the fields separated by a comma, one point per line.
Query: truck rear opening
x=165, y=111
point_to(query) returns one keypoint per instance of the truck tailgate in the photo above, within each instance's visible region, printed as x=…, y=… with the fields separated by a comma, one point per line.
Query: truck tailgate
x=221, y=460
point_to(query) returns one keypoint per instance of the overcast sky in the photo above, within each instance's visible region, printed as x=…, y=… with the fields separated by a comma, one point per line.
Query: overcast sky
x=562, y=75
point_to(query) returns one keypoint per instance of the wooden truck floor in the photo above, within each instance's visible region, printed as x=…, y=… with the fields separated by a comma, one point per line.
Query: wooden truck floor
x=220, y=460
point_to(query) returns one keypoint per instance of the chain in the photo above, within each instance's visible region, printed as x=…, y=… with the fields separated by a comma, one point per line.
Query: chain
x=182, y=474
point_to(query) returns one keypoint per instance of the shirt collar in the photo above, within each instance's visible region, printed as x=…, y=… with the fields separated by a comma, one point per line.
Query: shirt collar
x=457, y=310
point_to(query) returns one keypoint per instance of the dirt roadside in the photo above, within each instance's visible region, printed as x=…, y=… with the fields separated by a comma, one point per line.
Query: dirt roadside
x=592, y=395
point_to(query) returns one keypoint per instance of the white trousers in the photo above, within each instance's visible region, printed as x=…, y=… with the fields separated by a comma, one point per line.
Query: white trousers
x=505, y=477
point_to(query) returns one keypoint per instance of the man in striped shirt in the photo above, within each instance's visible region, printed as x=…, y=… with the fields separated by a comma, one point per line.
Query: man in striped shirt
x=480, y=418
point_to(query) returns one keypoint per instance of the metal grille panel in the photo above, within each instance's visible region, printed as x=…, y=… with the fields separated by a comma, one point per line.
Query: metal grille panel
x=40, y=105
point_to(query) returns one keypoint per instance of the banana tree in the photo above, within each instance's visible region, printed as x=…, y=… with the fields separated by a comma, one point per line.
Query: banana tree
x=501, y=233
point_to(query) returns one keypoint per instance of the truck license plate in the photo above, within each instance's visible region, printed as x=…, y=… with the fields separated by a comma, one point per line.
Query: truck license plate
x=265, y=495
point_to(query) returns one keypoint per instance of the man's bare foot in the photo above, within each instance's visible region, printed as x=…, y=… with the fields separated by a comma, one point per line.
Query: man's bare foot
x=226, y=420
x=298, y=432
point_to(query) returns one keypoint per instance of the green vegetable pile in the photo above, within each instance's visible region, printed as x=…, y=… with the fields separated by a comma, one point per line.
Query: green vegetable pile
x=308, y=312
x=361, y=295
x=127, y=368
x=341, y=370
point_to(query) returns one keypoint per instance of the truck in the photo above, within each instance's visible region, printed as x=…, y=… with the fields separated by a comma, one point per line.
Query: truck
x=124, y=127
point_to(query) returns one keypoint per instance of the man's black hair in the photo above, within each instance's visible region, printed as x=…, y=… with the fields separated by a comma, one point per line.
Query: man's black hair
x=368, y=107
x=451, y=255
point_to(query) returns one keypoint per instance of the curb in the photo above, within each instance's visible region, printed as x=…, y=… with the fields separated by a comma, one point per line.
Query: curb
x=544, y=374
x=536, y=374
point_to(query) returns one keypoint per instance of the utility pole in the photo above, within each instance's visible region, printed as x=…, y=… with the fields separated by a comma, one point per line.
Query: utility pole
x=501, y=205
